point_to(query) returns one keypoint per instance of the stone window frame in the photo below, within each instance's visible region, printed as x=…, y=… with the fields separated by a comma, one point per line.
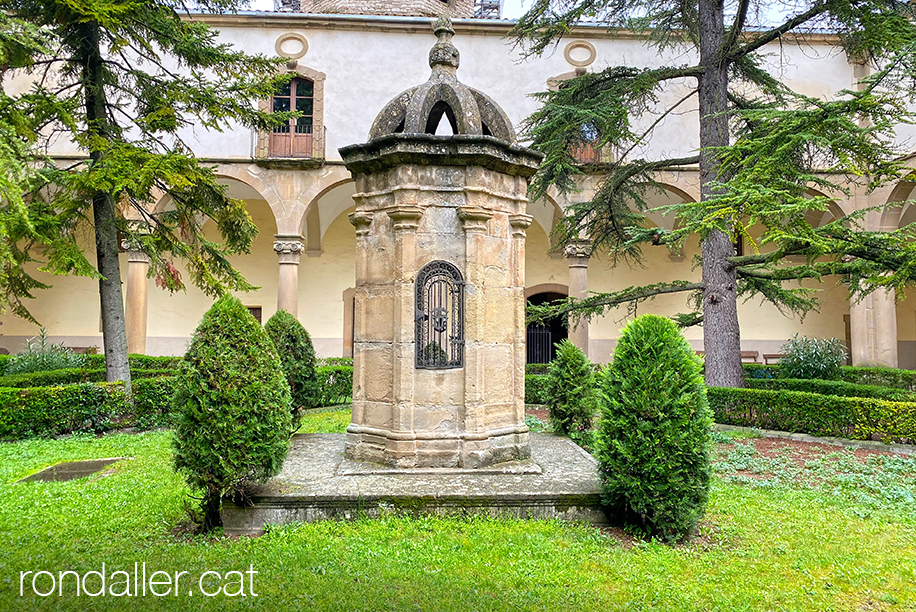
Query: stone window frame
x=604, y=154
x=262, y=138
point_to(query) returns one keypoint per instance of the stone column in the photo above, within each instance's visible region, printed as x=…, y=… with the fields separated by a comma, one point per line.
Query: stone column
x=873, y=330
x=289, y=250
x=577, y=255
x=137, y=309
x=519, y=224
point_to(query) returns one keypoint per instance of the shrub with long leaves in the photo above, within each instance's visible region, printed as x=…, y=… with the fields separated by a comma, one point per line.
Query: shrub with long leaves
x=805, y=357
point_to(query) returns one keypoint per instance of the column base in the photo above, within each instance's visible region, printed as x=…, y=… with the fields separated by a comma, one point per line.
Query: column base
x=401, y=449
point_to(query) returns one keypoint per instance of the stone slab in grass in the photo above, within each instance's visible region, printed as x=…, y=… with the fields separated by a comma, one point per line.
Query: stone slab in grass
x=318, y=483
x=71, y=470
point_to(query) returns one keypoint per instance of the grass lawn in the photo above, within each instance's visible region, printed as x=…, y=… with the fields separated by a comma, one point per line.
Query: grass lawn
x=829, y=534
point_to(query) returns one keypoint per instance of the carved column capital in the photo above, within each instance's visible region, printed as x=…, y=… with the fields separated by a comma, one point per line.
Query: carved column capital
x=578, y=253
x=405, y=217
x=361, y=221
x=520, y=224
x=474, y=218
x=289, y=249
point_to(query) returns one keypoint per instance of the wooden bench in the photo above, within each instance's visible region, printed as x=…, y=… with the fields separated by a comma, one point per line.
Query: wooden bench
x=754, y=355
x=771, y=358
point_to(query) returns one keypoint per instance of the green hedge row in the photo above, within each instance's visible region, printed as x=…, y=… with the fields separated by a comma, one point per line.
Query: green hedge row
x=536, y=389
x=832, y=387
x=882, y=377
x=53, y=411
x=143, y=362
x=335, y=384
x=856, y=418
x=70, y=376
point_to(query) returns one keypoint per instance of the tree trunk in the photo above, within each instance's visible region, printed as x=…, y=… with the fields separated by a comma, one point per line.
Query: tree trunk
x=211, y=506
x=114, y=329
x=721, y=335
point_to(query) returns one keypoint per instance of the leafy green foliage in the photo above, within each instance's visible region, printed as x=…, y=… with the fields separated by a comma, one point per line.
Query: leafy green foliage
x=764, y=147
x=571, y=391
x=653, y=440
x=41, y=355
x=232, y=407
x=116, y=93
x=856, y=418
x=805, y=357
x=294, y=345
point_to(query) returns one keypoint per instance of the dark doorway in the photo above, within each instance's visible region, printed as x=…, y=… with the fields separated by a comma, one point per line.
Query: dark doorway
x=541, y=338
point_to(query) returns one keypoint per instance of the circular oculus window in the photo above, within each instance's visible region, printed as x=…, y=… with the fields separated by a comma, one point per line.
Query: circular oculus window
x=292, y=45
x=580, y=53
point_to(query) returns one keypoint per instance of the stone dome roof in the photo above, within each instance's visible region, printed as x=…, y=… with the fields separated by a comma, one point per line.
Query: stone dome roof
x=419, y=109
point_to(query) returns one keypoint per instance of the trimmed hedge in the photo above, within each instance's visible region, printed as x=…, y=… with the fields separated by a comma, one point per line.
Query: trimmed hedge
x=324, y=362
x=536, y=389
x=536, y=368
x=53, y=411
x=335, y=384
x=152, y=402
x=855, y=418
x=882, y=377
x=145, y=362
x=70, y=376
x=832, y=387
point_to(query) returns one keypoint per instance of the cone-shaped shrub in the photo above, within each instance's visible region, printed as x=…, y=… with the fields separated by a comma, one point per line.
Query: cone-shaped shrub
x=571, y=390
x=231, y=406
x=653, y=440
x=294, y=345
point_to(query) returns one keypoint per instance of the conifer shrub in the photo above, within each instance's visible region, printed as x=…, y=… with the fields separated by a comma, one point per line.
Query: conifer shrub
x=653, y=440
x=231, y=408
x=571, y=392
x=805, y=357
x=294, y=346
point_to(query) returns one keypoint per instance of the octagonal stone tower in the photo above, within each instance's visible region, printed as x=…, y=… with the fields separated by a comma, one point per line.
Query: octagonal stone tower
x=439, y=348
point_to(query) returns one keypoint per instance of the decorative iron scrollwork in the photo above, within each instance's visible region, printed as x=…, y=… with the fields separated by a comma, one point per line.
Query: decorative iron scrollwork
x=440, y=316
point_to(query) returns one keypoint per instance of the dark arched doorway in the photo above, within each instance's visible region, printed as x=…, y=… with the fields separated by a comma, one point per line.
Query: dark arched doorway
x=541, y=337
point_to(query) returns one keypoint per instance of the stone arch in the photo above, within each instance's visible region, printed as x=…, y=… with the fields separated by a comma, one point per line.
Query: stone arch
x=892, y=215
x=546, y=288
x=237, y=173
x=310, y=222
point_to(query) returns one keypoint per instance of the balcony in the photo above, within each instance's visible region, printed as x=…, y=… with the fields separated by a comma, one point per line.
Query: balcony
x=296, y=146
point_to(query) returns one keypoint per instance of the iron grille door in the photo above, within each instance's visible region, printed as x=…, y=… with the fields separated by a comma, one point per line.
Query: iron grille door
x=440, y=316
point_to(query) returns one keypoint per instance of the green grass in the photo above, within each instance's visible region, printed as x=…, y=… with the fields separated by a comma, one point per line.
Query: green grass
x=772, y=544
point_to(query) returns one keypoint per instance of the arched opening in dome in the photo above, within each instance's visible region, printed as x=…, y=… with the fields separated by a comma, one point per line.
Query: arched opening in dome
x=434, y=121
x=485, y=129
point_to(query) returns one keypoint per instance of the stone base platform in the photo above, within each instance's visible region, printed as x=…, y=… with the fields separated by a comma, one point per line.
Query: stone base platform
x=317, y=483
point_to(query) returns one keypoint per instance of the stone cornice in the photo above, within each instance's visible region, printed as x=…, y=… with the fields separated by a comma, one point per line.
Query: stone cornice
x=410, y=25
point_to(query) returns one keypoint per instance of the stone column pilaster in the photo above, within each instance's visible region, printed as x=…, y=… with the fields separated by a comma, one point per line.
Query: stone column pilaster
x=405, y=220
x=474, y=222
x=289, y=250
x=577, y=256
x=137, y=310
x=873, y=330
x=519, y=224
